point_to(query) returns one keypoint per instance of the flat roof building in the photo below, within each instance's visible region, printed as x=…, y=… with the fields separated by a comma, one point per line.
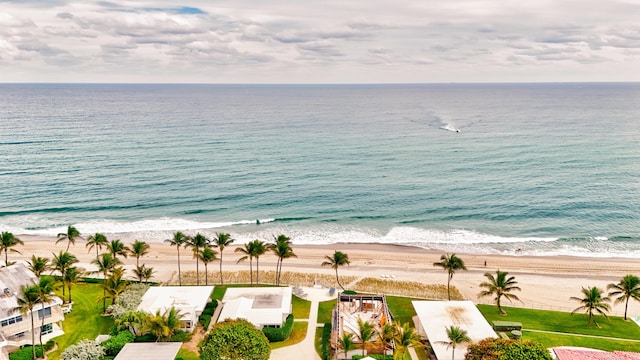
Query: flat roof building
x=263, y=307
x=189, y=300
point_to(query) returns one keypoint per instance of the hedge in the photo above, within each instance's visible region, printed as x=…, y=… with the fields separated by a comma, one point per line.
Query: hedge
x=282, y=333
x=26, y=353
x=114, y=344
x=326, y=337
x=207, y=314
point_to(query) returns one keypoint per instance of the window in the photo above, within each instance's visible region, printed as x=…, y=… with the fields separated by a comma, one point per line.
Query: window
x=46, y=329
x=47, y=312
x=11, y=320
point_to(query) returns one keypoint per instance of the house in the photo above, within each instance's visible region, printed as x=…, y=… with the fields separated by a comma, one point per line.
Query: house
x=149, y=351
x=263, y=307
x=365, y=308
x=434, y=317
x=15, y=327
x=190, y=301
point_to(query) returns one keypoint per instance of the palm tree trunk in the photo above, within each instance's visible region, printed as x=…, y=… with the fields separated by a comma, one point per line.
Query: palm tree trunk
x=206, y=275
x=6, y=257
x=221, y=279
x=449, y=288
x=338, y=280
x=626, y=304
x=257, y=270
x=42, y=326
x=251, y=269
x=179, y=273
x=197, y=270
x=33, y=335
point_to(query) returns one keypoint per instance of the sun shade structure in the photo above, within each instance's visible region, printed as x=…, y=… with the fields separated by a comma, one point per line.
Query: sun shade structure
x=263, y=307
x=189, y=300
x=436, y=316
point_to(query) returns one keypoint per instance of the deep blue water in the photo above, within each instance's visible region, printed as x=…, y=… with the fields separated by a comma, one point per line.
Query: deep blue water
x=543, y=168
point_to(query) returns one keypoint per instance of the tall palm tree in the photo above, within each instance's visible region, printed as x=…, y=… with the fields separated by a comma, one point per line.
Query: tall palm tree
x=70, y=236
x=165, y=325
x=28, y=298
x=450, y=263
x=366, y=330
x=259, y=248
x=45, y=287
x=7, y=242
x=404, y=338
x=97, y=241
x=38, y=265
x=500, y=285
x=139, y=249
x=248, y=251
x=593, y=301
x=335, y=261
x=206, y=256
x=114, y=285
x=197, y=243
x=386, y=333
x=346, y=343
x=179, y=239
x=70, y=278
x=106, y=263
x=281, y=247
x=143, y=273
x=117, y=247
x=61, y=263
x=456, y=336
x=627, y=288
x=222, y=240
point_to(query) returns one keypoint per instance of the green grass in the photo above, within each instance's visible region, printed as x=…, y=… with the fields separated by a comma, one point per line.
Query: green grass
x=301, y=307
x=401, y=308
x=187, y=355
x=298, y=334
x=324, y=311
x=84, y=321
x=551, y=340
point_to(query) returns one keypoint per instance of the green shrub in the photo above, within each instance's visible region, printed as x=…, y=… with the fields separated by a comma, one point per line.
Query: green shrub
x=114, y=344
x=349, y=292
x=375, y=356
x=326, y=337
x=207, y=313
x=234, y=339
x=145, y=338
x=281, y=333
x=26, y=353
x=181, y=336
x=205, y=320
x=49, y=345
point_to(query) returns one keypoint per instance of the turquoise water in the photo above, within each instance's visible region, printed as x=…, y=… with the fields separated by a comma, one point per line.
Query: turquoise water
x=510, y=168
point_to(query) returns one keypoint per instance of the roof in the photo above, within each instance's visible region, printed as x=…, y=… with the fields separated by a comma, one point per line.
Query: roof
x=437, y=316
x=149, y=351
x=259, y=306
x=11, y=279
x=187, y=299
x=571, y=353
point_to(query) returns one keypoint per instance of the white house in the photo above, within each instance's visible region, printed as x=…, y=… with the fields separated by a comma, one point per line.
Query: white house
x=15, y=327
x=189, y=300
x=263, y=306
x=436, y=316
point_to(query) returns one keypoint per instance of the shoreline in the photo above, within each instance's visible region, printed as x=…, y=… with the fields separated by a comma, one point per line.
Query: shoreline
x=547, y=281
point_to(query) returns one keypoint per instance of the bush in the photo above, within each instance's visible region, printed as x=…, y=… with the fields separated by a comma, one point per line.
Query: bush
x=83, y=350
x=205, y=320
x=326, y=337
x=501, y=349
x=349, y=292
x=181, y=336
x=49, y=345
x=26, y=353
x=235, y=339
x=114, y=344
x=281, y=333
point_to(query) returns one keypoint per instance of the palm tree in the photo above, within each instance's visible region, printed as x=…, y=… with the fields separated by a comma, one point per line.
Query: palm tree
x=385, y=336
x=45, y=287
x=38, y=265
x=366, y=331
x=143, y=273
x=404, y=338
x=27, y=299
x=248, y=250
x=338, y=259
x=281, y=247
x=138, y=250
x=114, y=286
x=206, y=256
x=179, y=239
x=72, y=276
x=163, y=326
x=117, y=247
x=97, y=241
x=222, y=240
x=450, y=263
x=7, y=242
x=197, y=243
x=70, y=236
x=346, y=343
x=456, y=336
x=500, y=285
x=61, y=263
x=627, y=288
x=592, y=301
x=106, y=263
x=259, y=248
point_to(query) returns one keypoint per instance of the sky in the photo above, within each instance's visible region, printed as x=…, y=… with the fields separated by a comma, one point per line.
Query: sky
x=328, y=41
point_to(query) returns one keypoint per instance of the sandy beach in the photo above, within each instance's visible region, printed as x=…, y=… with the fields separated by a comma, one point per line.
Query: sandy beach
x=546, y=282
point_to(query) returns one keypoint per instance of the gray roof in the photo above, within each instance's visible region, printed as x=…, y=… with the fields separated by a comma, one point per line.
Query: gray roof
x=11, y=278
x=149, y=351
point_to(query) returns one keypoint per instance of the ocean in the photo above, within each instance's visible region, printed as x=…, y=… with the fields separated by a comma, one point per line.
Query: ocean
x=524, y=169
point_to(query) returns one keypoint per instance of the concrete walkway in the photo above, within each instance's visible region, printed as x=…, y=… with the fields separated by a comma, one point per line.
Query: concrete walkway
x=306, y=348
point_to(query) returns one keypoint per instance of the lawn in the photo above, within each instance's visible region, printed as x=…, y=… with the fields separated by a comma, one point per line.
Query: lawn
x=401, y=308
x=84, y=321
x=298, y=334
x=301, y=307
x=567, y=328
x=185, y=354
x=325, y=308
